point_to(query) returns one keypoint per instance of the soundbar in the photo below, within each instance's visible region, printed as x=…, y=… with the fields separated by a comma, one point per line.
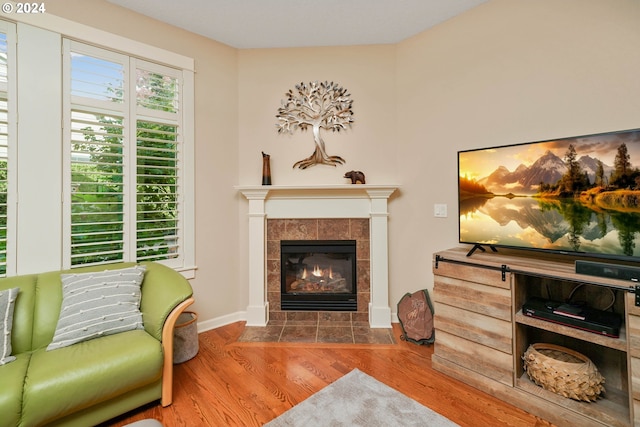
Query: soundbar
x=580, y=317
x=612, y=271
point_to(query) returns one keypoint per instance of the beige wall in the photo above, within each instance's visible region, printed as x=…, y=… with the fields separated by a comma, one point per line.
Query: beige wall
x=505, y=72
x=367, y=72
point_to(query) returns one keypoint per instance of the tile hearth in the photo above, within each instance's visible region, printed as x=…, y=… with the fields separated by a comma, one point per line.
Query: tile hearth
x=319, y=331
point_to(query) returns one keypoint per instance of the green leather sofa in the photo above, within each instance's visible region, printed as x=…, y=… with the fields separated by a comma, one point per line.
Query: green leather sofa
x=92, y=381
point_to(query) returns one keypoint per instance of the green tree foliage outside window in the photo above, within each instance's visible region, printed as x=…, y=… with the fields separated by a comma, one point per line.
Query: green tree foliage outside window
x=157, y=195
x=97, y=201
x=157, y=169
x=4, y=151
x=98, y=180
x=3, y=217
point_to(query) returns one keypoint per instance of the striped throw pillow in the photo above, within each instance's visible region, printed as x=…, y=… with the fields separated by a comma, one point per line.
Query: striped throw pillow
x=7, y=302
x=98, y=304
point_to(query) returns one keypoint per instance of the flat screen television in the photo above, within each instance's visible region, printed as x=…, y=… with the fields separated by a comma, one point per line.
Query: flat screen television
x=577, y=195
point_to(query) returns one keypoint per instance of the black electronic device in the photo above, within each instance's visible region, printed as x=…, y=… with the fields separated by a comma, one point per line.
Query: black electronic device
x=605, y=269
x=574, y=315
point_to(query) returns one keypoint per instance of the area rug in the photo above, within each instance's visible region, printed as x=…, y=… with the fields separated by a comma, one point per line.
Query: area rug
x=358, y=399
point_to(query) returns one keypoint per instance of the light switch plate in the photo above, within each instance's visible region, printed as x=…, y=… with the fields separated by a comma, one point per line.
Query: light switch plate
x=440, y=210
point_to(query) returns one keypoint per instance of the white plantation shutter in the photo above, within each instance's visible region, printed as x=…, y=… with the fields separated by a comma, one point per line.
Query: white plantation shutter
x=125, y=155
x=4, y=182
x=96, y=216
x=157, y=191
x=7, y=147
x=96, y=79
x=158, y=158
x=156, y=90
x=97, y=188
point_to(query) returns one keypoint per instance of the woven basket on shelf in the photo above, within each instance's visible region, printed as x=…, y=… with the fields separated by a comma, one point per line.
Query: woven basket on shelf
x=563, y=371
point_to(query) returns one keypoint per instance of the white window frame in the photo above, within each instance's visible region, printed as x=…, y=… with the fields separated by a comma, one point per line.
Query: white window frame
x=145, y=114
x=39, y=236
x=131, y=113
x=98, y=106
x=10, y=88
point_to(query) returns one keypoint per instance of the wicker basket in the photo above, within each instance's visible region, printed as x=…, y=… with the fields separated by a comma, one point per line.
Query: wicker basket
x=563, y=371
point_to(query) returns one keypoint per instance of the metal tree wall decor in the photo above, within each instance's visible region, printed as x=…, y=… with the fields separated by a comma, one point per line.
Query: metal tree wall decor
x=319, y=106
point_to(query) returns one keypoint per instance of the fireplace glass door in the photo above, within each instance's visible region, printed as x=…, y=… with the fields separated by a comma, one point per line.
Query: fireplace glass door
x=318, y=275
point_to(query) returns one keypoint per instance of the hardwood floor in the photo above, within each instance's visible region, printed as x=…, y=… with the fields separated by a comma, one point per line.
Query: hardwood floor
x=232, y=383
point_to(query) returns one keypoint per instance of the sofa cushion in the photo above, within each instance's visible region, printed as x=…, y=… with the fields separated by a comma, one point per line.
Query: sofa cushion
x=102, y=369
x=7, y=303
x=11, y=379
x=98, y=303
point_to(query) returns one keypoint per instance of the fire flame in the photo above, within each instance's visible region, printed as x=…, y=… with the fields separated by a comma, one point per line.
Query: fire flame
x=317, y=272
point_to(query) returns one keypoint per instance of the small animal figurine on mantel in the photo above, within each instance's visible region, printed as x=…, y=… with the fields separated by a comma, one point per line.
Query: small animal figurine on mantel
x=356, y=177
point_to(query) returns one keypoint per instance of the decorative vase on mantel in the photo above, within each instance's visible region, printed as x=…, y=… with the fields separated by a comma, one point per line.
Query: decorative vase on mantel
x=266, y=169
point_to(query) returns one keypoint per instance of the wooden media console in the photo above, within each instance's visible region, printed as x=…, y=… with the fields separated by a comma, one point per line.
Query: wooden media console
x=482, y=333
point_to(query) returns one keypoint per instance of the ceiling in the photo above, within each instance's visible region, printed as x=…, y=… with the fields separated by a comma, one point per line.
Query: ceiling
x=247, y=24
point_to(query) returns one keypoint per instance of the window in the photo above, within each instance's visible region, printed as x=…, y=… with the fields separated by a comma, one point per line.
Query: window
x=4, y=156
x=125, y=155
x=118, y=176
x=158, y=143
x=7, y=138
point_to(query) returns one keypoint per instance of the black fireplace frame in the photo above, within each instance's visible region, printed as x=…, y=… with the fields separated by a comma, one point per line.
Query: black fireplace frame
x=320, y=301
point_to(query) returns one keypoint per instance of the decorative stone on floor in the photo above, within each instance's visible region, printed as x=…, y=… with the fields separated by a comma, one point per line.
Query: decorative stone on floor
x=292, y=331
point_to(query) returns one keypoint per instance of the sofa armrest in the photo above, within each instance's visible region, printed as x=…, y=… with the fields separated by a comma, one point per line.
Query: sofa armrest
x=163, y=289
x=167, y=348
x=165, y=295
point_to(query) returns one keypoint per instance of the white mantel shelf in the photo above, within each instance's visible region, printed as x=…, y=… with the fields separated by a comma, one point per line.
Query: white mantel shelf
x=317, y=187
x=312, y=190
x=319, y=201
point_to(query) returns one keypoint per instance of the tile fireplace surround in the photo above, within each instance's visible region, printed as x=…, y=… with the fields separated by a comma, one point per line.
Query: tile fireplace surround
x=317, y=229
x=357, y=212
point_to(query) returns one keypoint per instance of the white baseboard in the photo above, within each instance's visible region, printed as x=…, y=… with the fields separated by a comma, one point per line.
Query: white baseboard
x=217, y=322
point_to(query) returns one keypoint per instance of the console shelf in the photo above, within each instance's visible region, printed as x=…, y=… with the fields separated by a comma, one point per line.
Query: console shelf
x=482, y=332
x=616, y=343
x=610, y=411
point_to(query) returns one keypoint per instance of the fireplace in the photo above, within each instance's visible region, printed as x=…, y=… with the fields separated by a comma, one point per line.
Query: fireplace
x=318, y=275
x=291, y=212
